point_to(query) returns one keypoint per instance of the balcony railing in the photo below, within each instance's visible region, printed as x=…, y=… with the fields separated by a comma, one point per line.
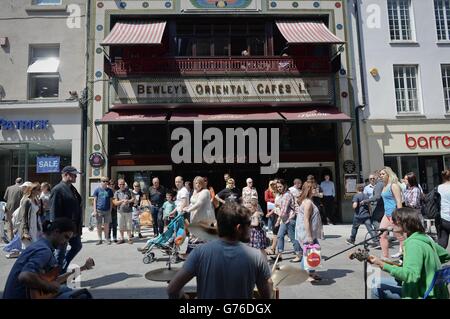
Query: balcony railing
x=208, y=65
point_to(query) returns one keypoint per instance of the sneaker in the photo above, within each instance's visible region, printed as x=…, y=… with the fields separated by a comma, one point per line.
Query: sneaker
x=140, y=235
x=13, y=254
x=397, y=255
x=350, y=241
x=99, y=242
x=296, y=260
x=121, y=242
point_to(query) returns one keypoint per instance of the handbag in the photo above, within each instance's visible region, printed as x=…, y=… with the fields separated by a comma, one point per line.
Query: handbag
x=312, y=256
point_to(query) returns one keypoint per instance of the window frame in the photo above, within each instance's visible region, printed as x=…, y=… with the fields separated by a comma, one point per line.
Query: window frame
x=32, y=76
x=445, y=20
x=410, y=24
x=446, y=86
x=405, y=89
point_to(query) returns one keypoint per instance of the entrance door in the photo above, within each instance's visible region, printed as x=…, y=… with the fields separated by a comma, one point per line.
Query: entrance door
x=430, y=170
x=14, y=159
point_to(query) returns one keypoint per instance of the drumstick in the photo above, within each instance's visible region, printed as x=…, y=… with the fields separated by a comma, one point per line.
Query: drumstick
x=276, y=262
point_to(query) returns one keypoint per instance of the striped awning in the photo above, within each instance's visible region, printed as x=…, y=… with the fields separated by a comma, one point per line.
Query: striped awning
x=136, y=33
x=307, y=32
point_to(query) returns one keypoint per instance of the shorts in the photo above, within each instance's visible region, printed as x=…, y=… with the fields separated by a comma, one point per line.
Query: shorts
x=103, y=217
x=124, y=221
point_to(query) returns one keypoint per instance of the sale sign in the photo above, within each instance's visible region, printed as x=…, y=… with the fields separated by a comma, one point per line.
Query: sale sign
x=47, y=164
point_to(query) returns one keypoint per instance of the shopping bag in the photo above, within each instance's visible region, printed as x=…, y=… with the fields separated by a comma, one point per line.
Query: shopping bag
x=312, y=256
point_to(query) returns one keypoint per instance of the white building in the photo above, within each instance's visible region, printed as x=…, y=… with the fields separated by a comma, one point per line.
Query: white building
x=406, y=86
x=42, y=54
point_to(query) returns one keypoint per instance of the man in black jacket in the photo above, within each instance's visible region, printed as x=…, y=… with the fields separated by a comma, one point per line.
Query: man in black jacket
x=65, y=201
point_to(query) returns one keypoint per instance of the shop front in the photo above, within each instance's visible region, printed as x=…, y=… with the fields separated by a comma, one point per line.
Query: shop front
x=36, y=144
x=421, y=148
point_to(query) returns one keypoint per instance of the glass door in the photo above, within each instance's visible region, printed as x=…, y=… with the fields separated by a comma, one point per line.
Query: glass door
x=14, y=159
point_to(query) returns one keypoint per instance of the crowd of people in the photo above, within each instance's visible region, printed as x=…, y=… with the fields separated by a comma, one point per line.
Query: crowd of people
x=298, y=211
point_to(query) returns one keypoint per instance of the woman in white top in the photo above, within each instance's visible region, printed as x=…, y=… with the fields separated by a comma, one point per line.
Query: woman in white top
x=444, y=191
x=249, y=192
x=201, y=208
x=29, y=224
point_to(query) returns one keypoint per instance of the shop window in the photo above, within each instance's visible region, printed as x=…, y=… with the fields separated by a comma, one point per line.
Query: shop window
x=410, y=164
x=43, y=73
x=406, y=88
x=399, y=12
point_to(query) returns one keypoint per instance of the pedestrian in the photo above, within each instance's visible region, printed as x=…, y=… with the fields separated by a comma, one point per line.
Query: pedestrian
x=361, y=216
x=392, y=198
x=226, y=177
x=65, y=201
x=329, y=195
x=124, y=202
x=288, y=220
x=269, y=197
x=376, y=201
x=214, y=201
x=190, y=189
x=229, y=193
x=44, y=197
x=113, y=225
x=226, y=268
x=169, y=208
x=369, y=188
x=12, y=197
x=444, y=220
x=137, y=196
x=201, y=209
x=29, y=223
x=317, y=197
x=422, y=258
x=308, y=226
x=157, y=194
x=249, y=192
x=412, y=195
x=258, y=238
x=39, y=258
x=103, y=203
x=296, y=188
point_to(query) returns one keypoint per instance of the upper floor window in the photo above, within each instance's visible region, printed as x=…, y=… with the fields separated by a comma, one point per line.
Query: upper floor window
x=406, y=88
x=43, y=73
x=446, y=84
x=400, y=24
x=221, y=39
x=442, y=16
x=46, y=2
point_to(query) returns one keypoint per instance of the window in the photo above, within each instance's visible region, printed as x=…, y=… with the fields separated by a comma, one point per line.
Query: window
x=442, y=16
x=406, y=91
x=446, y=85
x=399, y=20
x=43, y=72
x=46, y=2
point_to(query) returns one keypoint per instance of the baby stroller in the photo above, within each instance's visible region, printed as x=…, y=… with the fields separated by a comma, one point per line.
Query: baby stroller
x=169, y=241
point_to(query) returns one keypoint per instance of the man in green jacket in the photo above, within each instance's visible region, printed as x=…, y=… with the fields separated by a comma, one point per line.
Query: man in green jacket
x=422, y=257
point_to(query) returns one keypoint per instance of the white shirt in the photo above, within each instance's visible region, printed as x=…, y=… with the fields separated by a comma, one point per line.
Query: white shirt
x=182, y=196
x=294, y=191
x=444, y=190
x=368, y=190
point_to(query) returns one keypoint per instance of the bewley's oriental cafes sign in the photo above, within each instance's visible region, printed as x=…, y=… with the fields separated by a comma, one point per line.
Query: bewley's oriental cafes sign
x=223, y=90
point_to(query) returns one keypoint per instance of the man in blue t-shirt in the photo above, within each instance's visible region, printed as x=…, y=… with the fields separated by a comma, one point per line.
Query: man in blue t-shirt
x=362, y=215
x=103, y=197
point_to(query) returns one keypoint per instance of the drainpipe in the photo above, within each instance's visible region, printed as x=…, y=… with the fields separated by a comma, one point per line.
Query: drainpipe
x=363, y=84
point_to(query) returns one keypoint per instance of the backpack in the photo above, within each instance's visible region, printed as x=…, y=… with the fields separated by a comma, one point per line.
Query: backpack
x=431, y=207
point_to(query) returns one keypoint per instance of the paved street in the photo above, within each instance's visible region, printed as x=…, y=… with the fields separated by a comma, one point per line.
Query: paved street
x=119, y=271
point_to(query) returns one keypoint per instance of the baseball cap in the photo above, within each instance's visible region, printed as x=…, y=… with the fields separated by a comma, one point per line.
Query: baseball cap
x=70, y=170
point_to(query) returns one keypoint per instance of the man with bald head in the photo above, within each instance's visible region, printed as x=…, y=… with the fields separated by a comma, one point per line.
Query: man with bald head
x=157, y=195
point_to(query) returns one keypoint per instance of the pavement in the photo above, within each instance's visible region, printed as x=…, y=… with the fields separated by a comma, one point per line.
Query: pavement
x=119, y=271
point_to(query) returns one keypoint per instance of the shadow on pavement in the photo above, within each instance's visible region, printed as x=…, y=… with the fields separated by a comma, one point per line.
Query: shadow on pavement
x=332, y=236
x=329, y=275
x=108, y=280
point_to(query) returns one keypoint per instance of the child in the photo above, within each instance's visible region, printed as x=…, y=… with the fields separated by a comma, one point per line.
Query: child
x=137, y=194
x=257, y=235
x=362, y=215
x=169, y=208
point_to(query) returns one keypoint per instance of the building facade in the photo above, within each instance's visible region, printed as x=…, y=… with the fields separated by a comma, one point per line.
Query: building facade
x=176, y=85
x=406, y=69
x=41, y=59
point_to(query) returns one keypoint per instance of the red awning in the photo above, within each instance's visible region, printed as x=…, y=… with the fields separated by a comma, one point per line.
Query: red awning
x=135, y=33
x=130, y=117
x=307, y=32
x=226, y=116
x=330, y=114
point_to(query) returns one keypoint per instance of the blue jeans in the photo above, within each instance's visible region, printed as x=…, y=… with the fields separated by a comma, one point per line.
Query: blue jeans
x=388, y=289
x=64, y=257
x=67, y=293
x=271, y=222
x=358, y=222
x=290, y=230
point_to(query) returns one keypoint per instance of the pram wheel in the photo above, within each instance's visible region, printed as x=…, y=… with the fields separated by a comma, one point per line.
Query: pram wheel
x=149, y=258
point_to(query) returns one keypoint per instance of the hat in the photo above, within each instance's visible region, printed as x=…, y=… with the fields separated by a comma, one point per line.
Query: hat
x=70, y=170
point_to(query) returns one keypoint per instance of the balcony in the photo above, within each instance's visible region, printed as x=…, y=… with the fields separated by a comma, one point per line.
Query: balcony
x=219, y=65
